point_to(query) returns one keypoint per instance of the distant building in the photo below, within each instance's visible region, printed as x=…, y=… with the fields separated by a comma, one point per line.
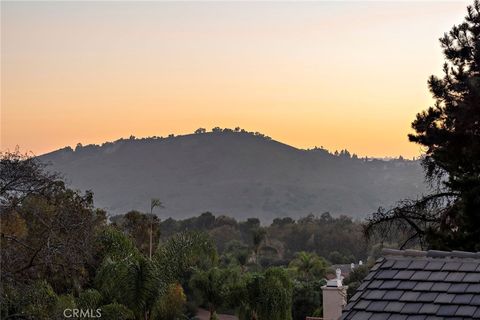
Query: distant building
x=421, y=285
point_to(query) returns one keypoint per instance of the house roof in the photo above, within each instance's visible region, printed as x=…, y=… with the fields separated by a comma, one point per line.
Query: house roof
x=421, y=285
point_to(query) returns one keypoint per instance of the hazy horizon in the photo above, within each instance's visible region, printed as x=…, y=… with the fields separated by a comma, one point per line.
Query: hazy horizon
x=343, y=75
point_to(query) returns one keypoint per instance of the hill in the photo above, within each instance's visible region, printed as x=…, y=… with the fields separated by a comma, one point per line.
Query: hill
x=240, y=174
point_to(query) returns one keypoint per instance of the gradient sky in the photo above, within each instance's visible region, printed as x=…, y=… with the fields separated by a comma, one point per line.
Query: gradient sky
x=334, y=74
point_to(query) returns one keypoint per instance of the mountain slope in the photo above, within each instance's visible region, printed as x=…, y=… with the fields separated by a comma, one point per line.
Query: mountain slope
x=234, y=173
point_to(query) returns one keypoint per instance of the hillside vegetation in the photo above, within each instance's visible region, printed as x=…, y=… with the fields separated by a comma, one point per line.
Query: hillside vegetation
x=59, y=253
x=237, y=173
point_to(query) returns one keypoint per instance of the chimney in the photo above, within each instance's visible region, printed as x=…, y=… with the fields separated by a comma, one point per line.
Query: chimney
x=334, y=297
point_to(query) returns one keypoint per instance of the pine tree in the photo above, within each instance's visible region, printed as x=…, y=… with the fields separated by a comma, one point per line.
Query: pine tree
x=449, y=218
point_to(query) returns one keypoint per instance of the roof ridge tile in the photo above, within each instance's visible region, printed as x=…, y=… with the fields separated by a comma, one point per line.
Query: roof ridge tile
x=430, y=253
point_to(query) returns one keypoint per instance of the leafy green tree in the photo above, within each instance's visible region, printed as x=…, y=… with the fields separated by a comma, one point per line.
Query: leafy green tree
x=265, y=296
x=214, y=287
x=64, y=301
x=170, y=306
x=355, y=278
x=281, y=222
x=258, y=236
x=22, y=175
x=247, y=228
x=92, y=299
x=449, y=131
x=276, y=295
x=36, y=300
x=242, y=257
x=184, y=251
x=135, y=224
x=236, y=253
x=116, y=311
x=205, y=221
x=128, y=277
x=309, y=265
x=48, y=230
x=336, y=257
x=41, y=300
x=89, y=299
x=307, y=299
x=322, y=235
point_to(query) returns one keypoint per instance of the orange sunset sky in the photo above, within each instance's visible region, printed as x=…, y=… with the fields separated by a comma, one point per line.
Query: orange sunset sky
x=337, y=74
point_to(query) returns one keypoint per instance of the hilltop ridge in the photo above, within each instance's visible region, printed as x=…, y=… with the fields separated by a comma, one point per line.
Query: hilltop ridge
x=233, y=172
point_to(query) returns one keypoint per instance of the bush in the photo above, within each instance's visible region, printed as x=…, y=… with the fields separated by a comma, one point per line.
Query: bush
x=115, y=311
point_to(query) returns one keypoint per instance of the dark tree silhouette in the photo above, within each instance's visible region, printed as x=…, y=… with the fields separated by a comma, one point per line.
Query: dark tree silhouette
x=449, y=218
x=46, y=229
x=22, y=175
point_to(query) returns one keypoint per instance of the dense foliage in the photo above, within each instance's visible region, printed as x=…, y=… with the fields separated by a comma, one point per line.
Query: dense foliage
x=59, y=253
x=449, y=131
x=234, y=173
x=338, y=240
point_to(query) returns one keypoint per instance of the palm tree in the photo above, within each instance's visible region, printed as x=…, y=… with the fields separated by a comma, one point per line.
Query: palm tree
x=265, y=296
x=214, y=286
x=128, y=277
x=309, y=265
x=259, y=236
x=125, y=275
x=153, y=204
x=242, y=259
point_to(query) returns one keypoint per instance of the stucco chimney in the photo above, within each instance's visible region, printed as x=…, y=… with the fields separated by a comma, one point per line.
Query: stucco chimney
x=334, y=298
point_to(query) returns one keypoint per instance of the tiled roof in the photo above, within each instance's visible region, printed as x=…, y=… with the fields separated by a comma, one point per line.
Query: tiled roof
x=422, y=285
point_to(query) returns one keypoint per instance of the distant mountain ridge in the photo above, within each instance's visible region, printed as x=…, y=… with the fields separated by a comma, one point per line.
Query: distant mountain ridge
x=240, y=174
